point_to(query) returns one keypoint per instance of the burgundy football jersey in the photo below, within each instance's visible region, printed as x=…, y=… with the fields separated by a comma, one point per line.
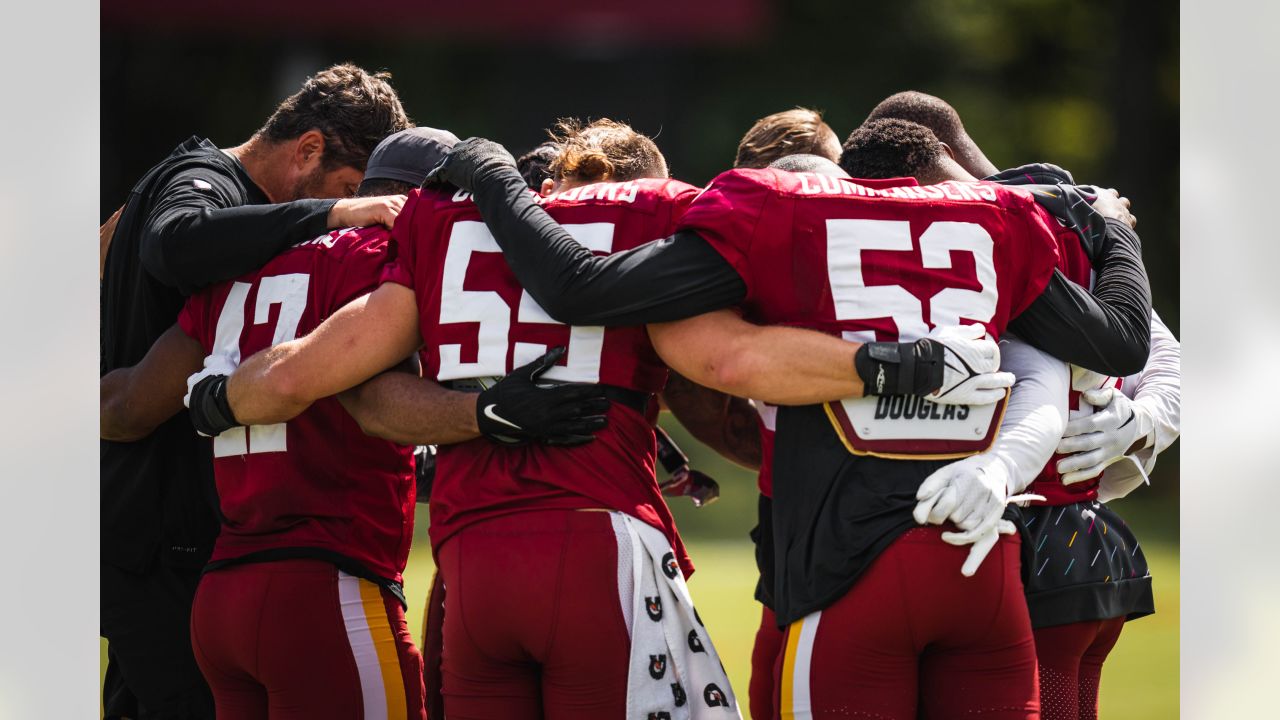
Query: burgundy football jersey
x=887, y=261
x=316, y=481
x=477, y=322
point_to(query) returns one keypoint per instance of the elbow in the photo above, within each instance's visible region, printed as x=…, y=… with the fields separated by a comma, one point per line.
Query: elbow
x=732, y=373
x=1131, y=357
x=115, y=425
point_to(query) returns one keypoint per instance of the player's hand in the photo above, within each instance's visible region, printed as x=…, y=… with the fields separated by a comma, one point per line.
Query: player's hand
x=967, y=492
x=469, y=160
x=1110, y=204
x=1094, y=442
x=971, y=364
x=207, y=397
x=515, y=410
x=364, y=212
x=981, y=540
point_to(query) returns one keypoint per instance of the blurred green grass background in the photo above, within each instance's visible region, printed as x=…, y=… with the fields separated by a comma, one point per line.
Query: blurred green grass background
x=1140, y=679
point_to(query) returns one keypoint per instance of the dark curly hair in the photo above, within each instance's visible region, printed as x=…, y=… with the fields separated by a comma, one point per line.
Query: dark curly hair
x=603, y=150
x=354, y=110
x=890, y=148
x=535, y=165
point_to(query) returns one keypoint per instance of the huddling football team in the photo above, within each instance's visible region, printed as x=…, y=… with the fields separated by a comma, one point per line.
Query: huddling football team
x=941, y=371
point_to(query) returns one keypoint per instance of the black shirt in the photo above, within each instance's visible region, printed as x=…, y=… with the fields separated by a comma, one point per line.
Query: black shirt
x=195, y=218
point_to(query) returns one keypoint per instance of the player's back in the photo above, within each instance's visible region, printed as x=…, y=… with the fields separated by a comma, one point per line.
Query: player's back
x=882, y=261
x=478, y=324
x=886, y=261
x=316, y=481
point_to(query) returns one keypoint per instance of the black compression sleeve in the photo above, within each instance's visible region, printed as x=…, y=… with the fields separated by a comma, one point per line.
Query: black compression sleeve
x=1108, y=331
x=669, y=279
x=192, y=239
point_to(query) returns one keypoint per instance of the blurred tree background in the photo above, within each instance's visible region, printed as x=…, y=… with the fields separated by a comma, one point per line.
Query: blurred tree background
x=1090, y=85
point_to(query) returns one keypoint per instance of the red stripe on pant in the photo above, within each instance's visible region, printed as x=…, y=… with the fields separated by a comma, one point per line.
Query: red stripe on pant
x=533, y=624
x=433, y=648
x=1071, y=658
x=296, y=639
x=764, y=665
x=914, y=638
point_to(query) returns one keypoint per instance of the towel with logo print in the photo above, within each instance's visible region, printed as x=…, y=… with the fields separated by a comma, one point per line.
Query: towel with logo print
x=675, y=672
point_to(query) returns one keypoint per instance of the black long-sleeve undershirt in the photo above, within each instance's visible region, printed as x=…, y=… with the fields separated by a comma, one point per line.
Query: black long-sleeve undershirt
x=210, y=222
x=683, y=276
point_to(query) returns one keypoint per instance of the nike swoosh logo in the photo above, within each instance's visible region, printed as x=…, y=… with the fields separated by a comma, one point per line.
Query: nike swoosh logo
x=489, y=413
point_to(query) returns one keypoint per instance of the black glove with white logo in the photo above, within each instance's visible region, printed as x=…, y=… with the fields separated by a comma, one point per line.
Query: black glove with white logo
x=516, y=410
x=468, y=160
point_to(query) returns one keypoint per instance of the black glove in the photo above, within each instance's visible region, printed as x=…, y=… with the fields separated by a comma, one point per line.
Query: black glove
x=468, y=161
x=210, y=411
x=1055, y=190
x=515, y=410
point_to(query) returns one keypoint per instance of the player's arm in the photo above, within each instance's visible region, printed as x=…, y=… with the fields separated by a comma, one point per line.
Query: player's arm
x=1137, y=422
x=197, y=234
x=365, y=337
x=973, y=492
x=400, y=406
x=792, y=366
x=725, y=423
x=664, y=280
x=134, y=401
x=1107, y=331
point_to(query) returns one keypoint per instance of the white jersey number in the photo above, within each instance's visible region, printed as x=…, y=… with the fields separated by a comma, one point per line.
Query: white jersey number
x=290, y=293
x=493, y=314
x=896, y=426
x=855, y=300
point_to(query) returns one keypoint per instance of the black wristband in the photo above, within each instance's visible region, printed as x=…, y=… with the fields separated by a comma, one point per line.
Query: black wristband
x=210, y=410
x=913, y=368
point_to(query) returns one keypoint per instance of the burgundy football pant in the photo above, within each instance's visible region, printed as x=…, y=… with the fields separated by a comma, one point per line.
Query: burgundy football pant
x=914, y=638
x=764, y=663
x=300, y=639
x=1071, y=658
x=533, y=623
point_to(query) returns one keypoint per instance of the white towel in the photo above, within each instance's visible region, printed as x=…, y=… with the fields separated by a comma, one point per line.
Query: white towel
x=675, y=672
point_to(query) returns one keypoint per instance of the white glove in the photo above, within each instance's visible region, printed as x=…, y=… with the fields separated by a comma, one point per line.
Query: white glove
x=966, y=492
x=213, y=365
x=1094, y=442
x=982, y=540
x=971, y=493
x=972, y=362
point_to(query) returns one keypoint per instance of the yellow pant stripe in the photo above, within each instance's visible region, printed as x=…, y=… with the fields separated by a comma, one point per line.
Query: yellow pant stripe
x=384, y=642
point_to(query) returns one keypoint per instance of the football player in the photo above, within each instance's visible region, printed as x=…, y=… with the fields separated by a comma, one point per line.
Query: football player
x=300, y=609
x=515, y=548
x=201, y=215
x=799, y=134
x=1086, y=572
x=783, y=215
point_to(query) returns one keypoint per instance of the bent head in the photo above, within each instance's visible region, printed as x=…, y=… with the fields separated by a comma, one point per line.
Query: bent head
x=602, y=151
x=808, y=163
x=535, y=165
x=323, y=134
x=401, y=162
x=943, y=120
x=790, y=132
x=897, y=148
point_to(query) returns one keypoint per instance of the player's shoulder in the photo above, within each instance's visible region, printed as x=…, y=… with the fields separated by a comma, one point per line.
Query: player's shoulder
x=341, y=245
x=646, y=195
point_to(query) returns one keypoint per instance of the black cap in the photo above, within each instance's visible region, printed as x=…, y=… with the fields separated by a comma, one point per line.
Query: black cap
x=407, y=156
